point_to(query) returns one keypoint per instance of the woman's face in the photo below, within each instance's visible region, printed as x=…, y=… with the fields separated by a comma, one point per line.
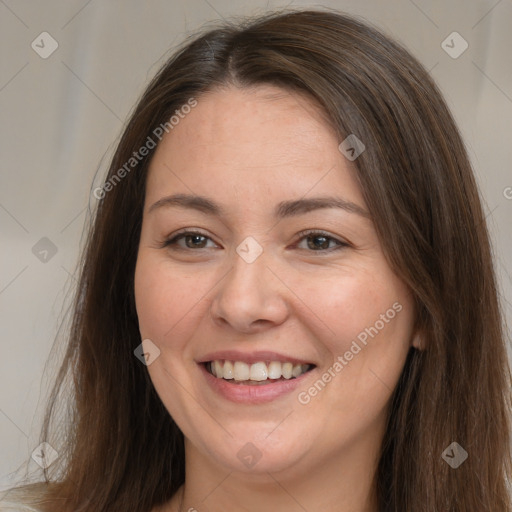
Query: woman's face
x=283, y=269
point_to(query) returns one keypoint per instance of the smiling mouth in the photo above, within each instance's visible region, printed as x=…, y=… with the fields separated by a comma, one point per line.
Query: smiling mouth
x=256, y=374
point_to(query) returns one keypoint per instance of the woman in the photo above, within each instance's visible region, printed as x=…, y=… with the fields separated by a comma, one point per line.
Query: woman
x=287, y=300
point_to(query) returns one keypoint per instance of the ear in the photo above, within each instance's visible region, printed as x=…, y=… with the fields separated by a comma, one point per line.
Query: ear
x=417, y=341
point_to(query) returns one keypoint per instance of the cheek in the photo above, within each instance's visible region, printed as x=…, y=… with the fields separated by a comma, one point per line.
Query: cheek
x=162, y=299
x=369, y=319
x=372, y=322
x=355, y=302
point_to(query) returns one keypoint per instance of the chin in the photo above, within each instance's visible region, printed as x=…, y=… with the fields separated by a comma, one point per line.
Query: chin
x=254, y=453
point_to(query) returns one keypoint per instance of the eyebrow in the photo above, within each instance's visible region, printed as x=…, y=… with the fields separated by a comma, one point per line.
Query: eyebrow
x=282, y=210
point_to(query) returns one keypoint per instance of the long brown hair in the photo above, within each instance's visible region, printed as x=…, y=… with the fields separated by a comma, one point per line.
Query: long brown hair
x=120, y=448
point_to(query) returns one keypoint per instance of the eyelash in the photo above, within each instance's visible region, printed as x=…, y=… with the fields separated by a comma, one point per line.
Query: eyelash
x=172, y=242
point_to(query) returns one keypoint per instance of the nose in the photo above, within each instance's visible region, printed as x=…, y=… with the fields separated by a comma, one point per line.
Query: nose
x=250, y=298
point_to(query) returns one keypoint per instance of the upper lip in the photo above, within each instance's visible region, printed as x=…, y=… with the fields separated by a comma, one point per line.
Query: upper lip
x=250, y=357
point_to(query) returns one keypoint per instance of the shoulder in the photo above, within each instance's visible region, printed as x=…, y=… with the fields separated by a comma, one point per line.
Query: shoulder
x=23, y=498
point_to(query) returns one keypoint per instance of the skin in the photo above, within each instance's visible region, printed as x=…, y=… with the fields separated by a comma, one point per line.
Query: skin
x=249, y=149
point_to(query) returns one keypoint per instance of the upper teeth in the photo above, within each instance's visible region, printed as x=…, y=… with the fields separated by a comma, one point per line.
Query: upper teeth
x=259, y=371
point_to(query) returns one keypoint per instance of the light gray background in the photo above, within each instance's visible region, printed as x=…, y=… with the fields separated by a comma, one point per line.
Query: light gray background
x=62, y=114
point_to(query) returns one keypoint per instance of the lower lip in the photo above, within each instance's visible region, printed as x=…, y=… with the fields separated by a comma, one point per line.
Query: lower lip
x=248, y=394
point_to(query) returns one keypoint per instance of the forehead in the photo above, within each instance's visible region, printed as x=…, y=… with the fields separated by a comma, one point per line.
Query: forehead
x=261, y=141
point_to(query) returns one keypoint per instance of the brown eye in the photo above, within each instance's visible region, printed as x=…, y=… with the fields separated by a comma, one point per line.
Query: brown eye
x=192, y=240
x=318, y=241
x=195, y=241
